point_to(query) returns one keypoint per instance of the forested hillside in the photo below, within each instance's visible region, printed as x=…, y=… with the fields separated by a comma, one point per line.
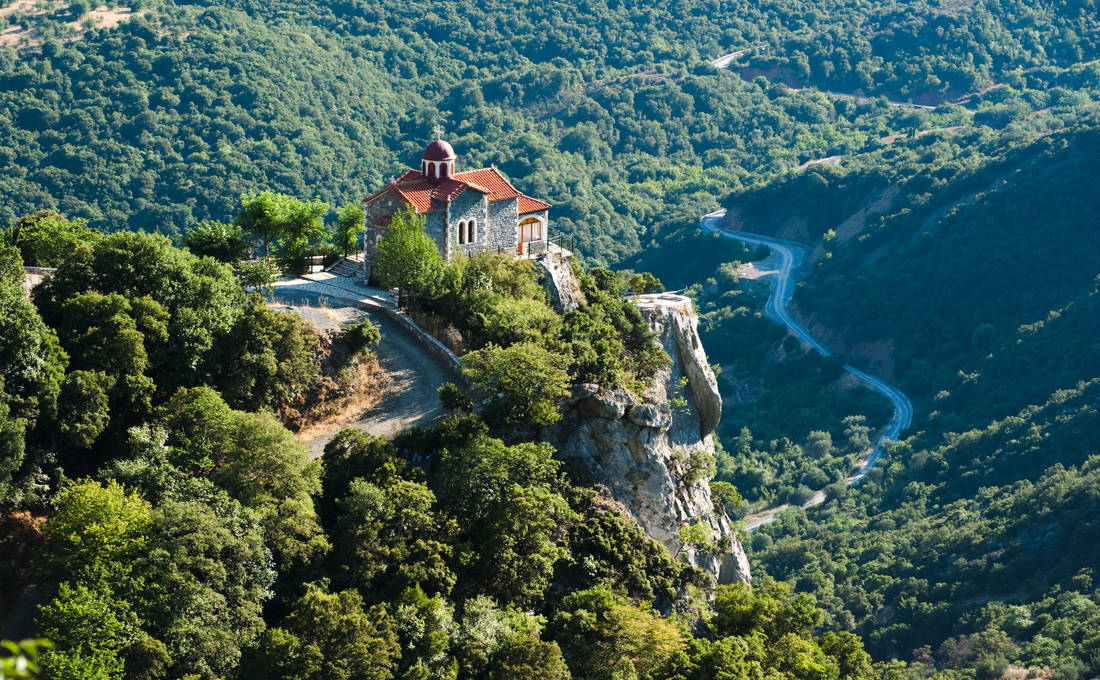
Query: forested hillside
x=166, y=119
x=973, y=264
x=931, y=52
x=964, y=265
x=160, y=520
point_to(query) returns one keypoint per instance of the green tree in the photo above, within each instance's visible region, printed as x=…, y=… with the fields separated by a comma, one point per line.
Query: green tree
x=349, y=224
x=727, y=498
x=32, y=363
x=426, y=625
x=271, y=216
x=697, y=535
x=352, y=455
x=97, y=530
x=770, y=608
x=46, y=238
x=89, y=629
x=263, y=216
x=603, y=636
x=12, y=448
x=529, y=380
x=846, y=651
x=516, y=546
x=270, y=359
x=113, y=337
x=407, y=258
x=525, y=656
x=304, y=228
x=328, y=636
x=201, y=584
x=84, y=408
x=223, y=242
x=819, y=444
x=200, y=296
x=390, y=539
x=256, y=460
x=475, y=474
x=503, y=642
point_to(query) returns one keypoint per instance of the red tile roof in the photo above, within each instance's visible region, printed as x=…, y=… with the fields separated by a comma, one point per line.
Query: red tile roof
x=418, y=193
x=490, y=178
x=427, y=196
x=530, y=205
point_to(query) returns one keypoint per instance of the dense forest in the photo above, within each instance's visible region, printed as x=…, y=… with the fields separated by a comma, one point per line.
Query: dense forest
x=146, y=398
x=964, y=266
x=166, y=119
x=163, y=521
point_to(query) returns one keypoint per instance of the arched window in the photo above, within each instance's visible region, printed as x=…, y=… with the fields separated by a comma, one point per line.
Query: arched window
x=471, y=231
x=461, y=232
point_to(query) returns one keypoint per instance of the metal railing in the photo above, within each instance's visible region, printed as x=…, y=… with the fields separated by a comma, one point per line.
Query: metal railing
x=559, y=240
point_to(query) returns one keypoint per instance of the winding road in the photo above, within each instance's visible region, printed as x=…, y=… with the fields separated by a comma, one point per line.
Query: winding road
x=790, y=257
x=415, y=374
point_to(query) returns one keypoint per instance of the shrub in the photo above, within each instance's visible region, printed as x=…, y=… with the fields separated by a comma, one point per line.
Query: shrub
x=362, y=336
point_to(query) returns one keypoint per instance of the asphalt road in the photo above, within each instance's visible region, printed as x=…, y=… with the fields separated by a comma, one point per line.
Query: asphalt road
x=790, y=257
x=410, y=398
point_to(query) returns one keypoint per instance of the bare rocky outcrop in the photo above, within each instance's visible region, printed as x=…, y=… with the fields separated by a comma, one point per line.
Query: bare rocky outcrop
x=32, y=276
x=639, y=449
x=565, y=292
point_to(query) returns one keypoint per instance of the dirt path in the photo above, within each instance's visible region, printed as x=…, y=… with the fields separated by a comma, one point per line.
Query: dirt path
x=415, y=374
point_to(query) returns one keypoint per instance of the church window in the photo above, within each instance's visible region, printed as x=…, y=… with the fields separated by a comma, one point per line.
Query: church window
x=461, y=232
x=470, y=233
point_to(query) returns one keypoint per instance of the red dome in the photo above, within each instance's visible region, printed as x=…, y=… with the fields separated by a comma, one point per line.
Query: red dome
x=438, y=151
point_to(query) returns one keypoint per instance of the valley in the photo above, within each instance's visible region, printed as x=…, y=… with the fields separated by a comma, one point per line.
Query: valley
x=859, y=441
x=790, y=258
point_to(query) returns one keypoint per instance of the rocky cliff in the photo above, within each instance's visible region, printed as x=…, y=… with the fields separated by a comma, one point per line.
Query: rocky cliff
x=557, y=268
x=639, y=450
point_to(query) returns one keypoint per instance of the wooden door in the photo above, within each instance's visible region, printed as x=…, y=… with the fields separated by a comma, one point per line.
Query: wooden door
x=529, y=230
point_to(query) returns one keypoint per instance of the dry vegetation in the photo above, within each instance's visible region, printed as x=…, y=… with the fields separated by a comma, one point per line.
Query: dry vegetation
x=24, y=19
x=342, y=398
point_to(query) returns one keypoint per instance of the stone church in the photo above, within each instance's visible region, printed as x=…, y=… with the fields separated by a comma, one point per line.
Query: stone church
x=464, y=211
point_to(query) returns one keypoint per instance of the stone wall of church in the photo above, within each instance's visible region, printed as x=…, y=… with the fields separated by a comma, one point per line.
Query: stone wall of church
x=435, y=225
x=469, y=205
x=503, y=218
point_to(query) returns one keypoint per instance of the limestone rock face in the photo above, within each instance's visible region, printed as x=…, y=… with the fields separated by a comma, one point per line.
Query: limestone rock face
x=565, y=292
x=638, y=450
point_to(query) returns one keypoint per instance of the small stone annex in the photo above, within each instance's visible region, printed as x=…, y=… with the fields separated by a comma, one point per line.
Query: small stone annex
x=464, y=211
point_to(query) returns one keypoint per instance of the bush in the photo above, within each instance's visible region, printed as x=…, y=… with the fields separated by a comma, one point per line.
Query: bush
x=362, y=336
x=454, y=399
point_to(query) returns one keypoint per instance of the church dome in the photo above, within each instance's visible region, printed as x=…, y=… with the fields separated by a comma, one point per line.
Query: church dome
x=438, y=151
